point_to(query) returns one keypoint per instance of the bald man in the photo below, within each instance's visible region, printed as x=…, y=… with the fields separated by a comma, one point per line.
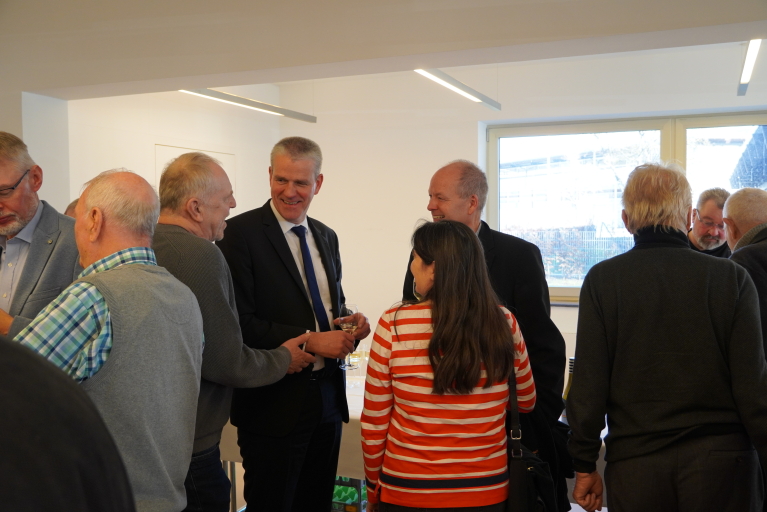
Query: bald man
x=131, y=334
x=745, y=224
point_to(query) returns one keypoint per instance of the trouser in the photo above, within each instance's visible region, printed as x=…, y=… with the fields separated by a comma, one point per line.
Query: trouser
x=295, y=472
x=207, y=486
x=719, y=473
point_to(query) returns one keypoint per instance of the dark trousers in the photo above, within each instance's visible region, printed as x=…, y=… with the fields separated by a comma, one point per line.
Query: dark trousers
x=295, y=472
x=719, y=473
x=207, y=487
x=386, y=507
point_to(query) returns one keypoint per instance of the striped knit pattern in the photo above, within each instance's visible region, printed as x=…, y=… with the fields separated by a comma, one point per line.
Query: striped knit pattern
x=426, y=450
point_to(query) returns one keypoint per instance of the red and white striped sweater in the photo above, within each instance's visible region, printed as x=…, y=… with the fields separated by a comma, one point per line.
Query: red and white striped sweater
x=427, y=450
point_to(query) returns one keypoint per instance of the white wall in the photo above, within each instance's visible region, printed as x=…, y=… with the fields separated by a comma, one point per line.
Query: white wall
x=46, y=134
x=107, y=133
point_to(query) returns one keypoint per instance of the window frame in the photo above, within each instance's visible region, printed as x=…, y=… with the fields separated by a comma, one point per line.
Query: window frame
x=673, y=148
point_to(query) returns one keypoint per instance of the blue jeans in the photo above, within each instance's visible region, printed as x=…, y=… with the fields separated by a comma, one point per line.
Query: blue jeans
x=207, y=487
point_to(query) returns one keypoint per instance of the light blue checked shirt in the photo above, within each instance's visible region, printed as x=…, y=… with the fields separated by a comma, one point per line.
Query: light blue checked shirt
x=74, y=332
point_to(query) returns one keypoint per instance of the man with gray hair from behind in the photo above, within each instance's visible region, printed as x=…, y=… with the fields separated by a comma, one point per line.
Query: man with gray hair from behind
x=745, y=223
x=196, y=196
x=685, y=399
x=131, y=335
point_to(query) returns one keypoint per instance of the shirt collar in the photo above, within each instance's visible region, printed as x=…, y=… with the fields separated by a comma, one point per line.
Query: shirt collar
x=140, y=255
x=286, y=225
x=28, y=231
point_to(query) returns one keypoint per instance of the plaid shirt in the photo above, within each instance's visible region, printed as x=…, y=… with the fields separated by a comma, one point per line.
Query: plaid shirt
x=74, y=332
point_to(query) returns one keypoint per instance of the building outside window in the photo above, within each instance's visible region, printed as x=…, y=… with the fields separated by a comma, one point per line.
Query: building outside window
x=560, y=187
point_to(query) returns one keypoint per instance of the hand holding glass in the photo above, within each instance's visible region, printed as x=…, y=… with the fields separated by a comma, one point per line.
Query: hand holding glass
x=348, y=324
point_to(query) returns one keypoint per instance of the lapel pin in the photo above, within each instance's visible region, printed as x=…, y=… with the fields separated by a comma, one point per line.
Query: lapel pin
x=50, y=241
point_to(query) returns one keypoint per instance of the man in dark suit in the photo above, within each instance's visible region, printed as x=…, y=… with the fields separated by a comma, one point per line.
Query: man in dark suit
x=458, y=192
x=286, y=269
x=38, y=255
x=745, y=225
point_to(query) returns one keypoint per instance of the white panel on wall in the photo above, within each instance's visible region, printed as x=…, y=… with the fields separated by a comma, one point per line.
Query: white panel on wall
x=164, y=154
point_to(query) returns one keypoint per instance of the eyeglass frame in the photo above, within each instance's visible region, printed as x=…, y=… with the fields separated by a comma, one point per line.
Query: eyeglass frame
x=5, y=193
x=706, y=223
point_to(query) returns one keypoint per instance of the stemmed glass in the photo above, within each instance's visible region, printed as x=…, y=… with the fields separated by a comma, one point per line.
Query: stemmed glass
x=348, y=325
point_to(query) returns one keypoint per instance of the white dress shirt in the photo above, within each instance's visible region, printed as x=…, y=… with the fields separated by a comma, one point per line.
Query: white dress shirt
x=319, y=269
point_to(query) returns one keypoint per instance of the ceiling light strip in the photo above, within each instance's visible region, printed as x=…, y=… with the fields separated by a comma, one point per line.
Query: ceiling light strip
x=748, y=65
x=251, y=104
x=461, y=88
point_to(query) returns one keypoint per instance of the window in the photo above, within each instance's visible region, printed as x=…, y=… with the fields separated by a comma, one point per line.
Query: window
x=560, y=186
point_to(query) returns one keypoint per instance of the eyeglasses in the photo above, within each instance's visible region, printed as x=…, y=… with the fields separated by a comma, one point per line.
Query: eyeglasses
x=7, y=192
x=706, y=223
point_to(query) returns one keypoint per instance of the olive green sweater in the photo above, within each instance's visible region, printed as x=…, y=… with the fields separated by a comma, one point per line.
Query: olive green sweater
x=226, y=362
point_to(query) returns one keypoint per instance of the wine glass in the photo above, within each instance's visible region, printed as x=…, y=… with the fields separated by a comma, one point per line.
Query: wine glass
x=348, y=325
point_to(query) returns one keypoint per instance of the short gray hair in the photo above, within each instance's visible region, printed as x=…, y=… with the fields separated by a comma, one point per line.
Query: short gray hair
x=122, y=205
x=719, y=195
x=13, y=148
x=299, y=148
x=657, y=194
x=747, y=208
x=187, y=176
x=471, y=182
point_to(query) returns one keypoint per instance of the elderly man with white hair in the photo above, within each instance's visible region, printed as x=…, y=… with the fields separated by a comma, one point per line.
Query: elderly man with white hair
x=669, y=348
x=745, y=221
x=131, y=334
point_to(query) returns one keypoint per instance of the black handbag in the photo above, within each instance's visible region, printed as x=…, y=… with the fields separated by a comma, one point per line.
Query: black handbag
x=531, y=488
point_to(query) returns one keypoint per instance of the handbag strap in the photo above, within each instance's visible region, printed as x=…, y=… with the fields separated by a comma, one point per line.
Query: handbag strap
x=515, y=433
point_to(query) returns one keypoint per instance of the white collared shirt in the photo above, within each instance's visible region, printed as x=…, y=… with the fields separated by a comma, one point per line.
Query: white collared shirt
x=319, y=269
x=14, y=258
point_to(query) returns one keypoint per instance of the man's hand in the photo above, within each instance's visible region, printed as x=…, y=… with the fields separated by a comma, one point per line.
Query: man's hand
x=332, y=344
x=298, y=358
x=588, y=491
x=5, y=322
x=372, y=507
x=363, y=326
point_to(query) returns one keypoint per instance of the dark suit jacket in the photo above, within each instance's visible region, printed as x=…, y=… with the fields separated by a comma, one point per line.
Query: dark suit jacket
x=753, y=257
x=52, y=264
x=516, y=272
x=274, y=306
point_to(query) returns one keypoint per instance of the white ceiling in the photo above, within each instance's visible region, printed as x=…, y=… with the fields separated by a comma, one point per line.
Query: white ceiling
x=91, y=48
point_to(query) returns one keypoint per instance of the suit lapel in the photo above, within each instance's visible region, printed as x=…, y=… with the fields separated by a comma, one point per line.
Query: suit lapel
x=488, y=244
x=275, y=235
x=327, y=261
x=43, y=241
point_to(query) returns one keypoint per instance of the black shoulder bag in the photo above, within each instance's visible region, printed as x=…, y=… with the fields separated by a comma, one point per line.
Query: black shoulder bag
x=531, y=488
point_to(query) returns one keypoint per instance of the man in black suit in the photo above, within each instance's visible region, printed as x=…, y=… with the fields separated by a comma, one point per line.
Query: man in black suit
x=286, y=269
x=458, y=192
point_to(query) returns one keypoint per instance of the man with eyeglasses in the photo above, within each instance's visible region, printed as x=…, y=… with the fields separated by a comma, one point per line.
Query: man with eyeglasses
x=38, y=255
x=707, y=234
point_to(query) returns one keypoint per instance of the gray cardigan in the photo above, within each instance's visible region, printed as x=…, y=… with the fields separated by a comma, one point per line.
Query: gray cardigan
x=227, y=363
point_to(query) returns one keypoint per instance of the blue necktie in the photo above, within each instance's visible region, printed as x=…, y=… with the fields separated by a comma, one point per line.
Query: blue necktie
x=311, y=280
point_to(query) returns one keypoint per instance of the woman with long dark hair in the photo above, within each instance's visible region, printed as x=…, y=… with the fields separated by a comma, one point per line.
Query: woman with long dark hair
x=437, y=384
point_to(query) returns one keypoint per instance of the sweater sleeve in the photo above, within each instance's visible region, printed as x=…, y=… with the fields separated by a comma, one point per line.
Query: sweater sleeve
x=525, y=385
x=587, y=399
x=226, y=360
x=201, y=266
x=748, y=368
x=376, y=413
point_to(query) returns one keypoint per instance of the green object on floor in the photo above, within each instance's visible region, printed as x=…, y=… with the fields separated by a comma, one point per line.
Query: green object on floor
x=349, y=495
